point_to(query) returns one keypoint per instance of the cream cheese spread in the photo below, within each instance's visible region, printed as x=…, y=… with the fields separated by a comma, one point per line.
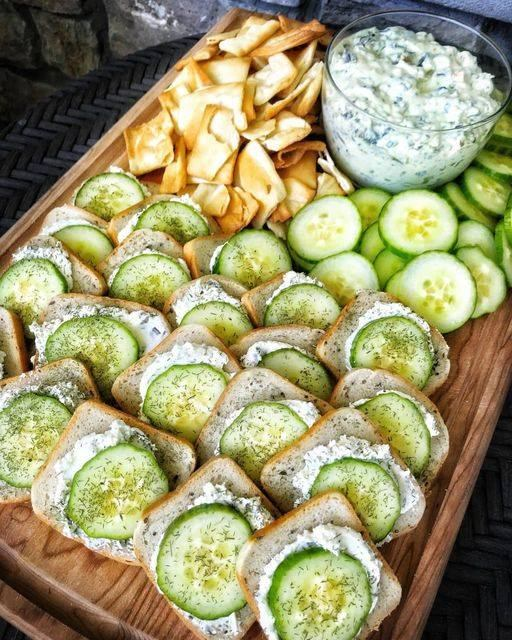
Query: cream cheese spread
x=54, y=252
x=215, y=255
x=65, y=391
x=146, y=252
x=256, y=351
x=292, y=278
x=200, y=293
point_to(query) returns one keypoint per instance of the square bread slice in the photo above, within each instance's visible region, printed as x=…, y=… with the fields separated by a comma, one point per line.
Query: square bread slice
x=175, y=456
x=360, y=384
x=150, y=531
x=63, y=371
x=12, y=344
x=199, y=251
x=278, y=474
x=295, y=335
x=332, y=351
x=330, y=508
x=126, y=389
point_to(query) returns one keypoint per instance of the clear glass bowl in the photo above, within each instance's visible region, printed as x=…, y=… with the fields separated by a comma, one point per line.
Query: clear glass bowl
x=376, y=152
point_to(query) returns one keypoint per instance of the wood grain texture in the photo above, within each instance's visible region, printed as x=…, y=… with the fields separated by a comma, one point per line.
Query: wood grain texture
x=102, y=599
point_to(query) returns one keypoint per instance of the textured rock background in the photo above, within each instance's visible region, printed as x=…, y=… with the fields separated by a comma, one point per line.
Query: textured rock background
x=44, y=43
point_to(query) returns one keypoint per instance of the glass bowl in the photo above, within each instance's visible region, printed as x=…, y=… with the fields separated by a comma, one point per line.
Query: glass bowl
x=376, y=152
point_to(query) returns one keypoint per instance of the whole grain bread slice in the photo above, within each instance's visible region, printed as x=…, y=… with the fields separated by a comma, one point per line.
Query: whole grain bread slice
x=255, y=300
x=12, y=344
x=199, y=251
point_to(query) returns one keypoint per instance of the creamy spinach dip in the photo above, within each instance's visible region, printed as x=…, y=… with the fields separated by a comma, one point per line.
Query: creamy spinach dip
x=398, y=104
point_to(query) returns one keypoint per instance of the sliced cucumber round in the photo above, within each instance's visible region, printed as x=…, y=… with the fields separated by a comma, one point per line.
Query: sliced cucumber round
x=148, y=279
x=252, y=257
x=507, y=219
x=319, y=595
x=400, y=420
x=107, y=194
x=28, y=285
x=110, y=492
x=196, y=564
x=502, y=133
x=181, y=399
x=29, y=429
x=226, y=321
x=175, y=218
x=504, y=252
x=371, y=242
x=476, y=234
x=345, y=274
x=369, y=487
x=324, y=227
x=260, y=431
x=416, y=221
x=106, y=346
x=301, y=369
x=306, y=304
x=485, y=192
x=89, y=243
x=463, y=207
x=369, y=202
x=387, y=264
x=491, y=286
x=497, y=165
x=396, y=344
x=438, y=287
x=300, y=263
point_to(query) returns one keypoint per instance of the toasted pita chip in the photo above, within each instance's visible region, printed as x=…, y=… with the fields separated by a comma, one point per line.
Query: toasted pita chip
x=190, y=79
x=259, y=129
x=297, y=195
x=326, y=185
x=248, y=100
x=303, y=170
x=327, y=164
x=215, y=143
x=256, y=174
x=302, y=60
x=292, y=38
x=226, y=70
x=304, y=103
x=205, y=53
x=291, y=155
x=286, y=23
x=325, y=40
x=212, y=198
x=219, y=37
x=253, y=32
x=149, y=145
x=239, y=213
x=279, y=228
x=280, y=214
x=270, y=110
x=258, y=62
x=175, y=174
x=289, y=129
x=275, y=76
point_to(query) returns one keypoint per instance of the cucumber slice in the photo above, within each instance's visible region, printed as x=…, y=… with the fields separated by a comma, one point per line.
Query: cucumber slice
x=502, y=134
x=89, y=243
x=345, y=274
x=304, y=371
x=252, y=257
x=401, y=422
x=371, y=242
x=386, y=265
x=300, y=263
x=306, y=304
x=485, y=192
x=396, y=344
x=110, y=492
x=148, y=279
x=507, y=220
x=393, y=284
x=319, y=595
x=463, y=207
x=369, y=202
x=260, y=431
x=226, y=321
x=438, y=287
x=371, y=489
x=109, y=193
x=196, y=563
x=29, y=429
x=491, y=286
x=416, y=221
x=106, y=346
x=476, y=234
x=181, y=399
x=504, y=252
x=177, y=219
x=323, y=227
x=27, y=287
x=495, y=164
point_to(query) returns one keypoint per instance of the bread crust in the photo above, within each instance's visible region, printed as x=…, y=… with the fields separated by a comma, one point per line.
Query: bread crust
x=12, y=343
x=199, y=251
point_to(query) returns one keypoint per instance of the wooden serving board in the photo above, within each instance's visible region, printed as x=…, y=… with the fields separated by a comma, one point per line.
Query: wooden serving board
x=105, y=600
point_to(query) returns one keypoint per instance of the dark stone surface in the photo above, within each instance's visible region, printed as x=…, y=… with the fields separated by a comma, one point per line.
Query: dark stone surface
x=18, y=92
x=18, y=38
x=55, y=6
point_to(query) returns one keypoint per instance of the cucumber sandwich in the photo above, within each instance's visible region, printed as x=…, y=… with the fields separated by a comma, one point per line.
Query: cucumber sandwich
x=13, y=352
x=314, y=574
x=211, y=301
x=35, y=408
x=345, y=452
x=376, y=331
x=258, y=415
x=147, y=267
x=404, y=416
x=292, y=298
x=107, y=468
x=189, y=543
x=40, y=270
x=176, y=385
x=289, y=350
x=83, y=233
x=106, y=334
x=199, y=253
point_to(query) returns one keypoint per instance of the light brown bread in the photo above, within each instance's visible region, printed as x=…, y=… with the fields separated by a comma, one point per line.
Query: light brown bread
x=293, y=334
x=71, y=212
x=255, y=300
x=12, y=343
x=328, y=508
x=199, y=251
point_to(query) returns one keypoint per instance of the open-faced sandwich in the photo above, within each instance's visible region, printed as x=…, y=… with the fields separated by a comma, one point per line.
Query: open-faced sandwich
x=105, y=470
x=13, y=352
